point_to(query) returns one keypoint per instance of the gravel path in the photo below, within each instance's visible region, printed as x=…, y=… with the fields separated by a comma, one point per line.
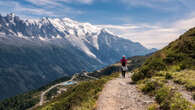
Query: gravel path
x=121, y=94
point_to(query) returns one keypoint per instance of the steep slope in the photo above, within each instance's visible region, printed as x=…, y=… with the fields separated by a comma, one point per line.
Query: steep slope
x=34, y=52
x=169, y=74
x=178, y=55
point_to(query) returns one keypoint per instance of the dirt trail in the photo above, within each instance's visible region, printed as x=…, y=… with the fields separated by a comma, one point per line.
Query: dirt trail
x=121, y=94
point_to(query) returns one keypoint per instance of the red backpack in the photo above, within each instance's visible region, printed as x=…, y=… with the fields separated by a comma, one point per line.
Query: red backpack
x=123, y=62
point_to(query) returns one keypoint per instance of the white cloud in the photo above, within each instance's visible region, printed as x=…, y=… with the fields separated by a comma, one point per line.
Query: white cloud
x=57, y=2
x=152, y=36
x=165, y=5
x=127, y=26
x=26, y=11
x=43, y=2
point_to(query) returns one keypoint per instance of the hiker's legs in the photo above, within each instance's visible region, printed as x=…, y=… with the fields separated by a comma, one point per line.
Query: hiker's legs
x=123, y=74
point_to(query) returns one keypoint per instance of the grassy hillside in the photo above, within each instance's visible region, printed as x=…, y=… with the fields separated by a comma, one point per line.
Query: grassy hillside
x=174, y=63
x=178, y=55
x=79, y=97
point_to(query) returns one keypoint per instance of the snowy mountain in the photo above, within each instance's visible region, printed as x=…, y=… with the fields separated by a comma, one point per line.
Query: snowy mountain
x=40, y=50
x=84, y=36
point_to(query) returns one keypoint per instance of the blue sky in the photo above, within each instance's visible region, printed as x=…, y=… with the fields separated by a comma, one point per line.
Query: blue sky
x=137, y=20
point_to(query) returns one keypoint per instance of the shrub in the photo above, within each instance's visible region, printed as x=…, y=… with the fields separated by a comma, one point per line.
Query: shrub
x=148, y=69
x=183, y=66
x=162, y=94
x=137, y=76
x=157, y=64
x=148, y=87
x=168, y=76
x=171, y=100
x=142, y=73
x=153, y=107
x=190, y=85
x=151, y=85
x=179, y=103
x=173, y=58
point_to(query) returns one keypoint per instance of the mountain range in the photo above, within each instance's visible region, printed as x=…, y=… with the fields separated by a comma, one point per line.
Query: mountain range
x=33, y=52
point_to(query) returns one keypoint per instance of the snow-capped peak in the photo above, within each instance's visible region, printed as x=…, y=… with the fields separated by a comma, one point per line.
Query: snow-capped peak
x=11, y=15
x=94, y=41
x=83, y=36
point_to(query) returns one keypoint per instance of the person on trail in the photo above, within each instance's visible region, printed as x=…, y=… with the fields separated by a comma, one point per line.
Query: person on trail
x=123, y=66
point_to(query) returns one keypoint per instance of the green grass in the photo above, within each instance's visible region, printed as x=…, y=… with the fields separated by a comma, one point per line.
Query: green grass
x=167, y=97
x=186, y=78
x=171, y=100
x=82, y=96
x=177, y=56
x=174, y=62
x=153, y=107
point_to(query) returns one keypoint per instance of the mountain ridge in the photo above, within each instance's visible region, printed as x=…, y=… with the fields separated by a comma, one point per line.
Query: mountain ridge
x=46, y=29
x=38, y=51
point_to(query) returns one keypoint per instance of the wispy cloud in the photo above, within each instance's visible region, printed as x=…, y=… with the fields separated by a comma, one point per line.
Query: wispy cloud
x=29, y=11
x=154, y=32
x=152, y=36
x=58, y=2
x=166, y=5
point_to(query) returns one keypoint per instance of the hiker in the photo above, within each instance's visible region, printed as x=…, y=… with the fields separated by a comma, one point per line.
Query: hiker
x=124, y=66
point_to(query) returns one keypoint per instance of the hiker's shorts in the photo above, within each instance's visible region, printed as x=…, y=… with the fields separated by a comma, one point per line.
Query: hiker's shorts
x=124, y=68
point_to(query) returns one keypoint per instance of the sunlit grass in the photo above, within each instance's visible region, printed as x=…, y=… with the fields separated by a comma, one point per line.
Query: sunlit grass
x=185, y=77
x=166, y=96
x=82, y=96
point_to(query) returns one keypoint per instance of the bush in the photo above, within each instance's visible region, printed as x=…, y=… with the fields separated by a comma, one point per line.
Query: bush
x=153, y=107
x=137, y=76
x=171, y=100
x=156, y=64
x=173, y=58
x=190, y=86
x=183, y=66
x=151, y=85
x=163, y=96
x=148, y=69
x=179, y=103
x=142, y=73
x=168, y=76
x=193, y=95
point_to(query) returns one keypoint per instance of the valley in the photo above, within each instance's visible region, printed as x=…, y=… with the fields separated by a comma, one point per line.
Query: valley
x=163, y=81
x=97, y=54
x=34, y=52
